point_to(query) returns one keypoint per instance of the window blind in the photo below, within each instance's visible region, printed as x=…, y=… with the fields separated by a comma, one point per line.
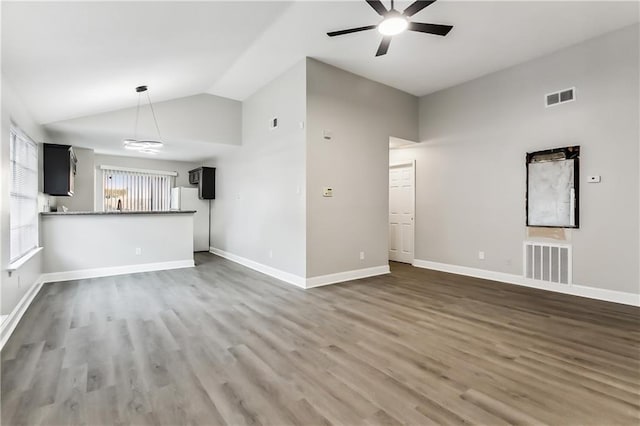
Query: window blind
x=23, y=194
x=136, y=190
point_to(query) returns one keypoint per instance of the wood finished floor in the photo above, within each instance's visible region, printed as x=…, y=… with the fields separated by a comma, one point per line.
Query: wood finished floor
x=222, y=344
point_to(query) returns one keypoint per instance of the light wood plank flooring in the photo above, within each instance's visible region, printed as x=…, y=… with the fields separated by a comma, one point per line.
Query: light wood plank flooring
x=222, y=344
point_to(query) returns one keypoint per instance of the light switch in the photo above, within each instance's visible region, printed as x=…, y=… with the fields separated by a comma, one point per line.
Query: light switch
x=327, y=192
x=327, y=135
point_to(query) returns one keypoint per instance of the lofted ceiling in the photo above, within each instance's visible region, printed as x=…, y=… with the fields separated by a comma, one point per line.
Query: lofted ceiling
x=71, y=59
x=75, y=59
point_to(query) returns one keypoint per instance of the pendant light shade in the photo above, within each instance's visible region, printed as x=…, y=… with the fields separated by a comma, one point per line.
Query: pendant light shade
x=145, y=146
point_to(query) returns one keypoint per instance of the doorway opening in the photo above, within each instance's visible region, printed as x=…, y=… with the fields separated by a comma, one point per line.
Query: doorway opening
x=402, y=212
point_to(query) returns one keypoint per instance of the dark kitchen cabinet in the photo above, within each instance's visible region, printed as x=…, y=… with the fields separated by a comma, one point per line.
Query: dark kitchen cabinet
x=59, y=163
x=205, y=178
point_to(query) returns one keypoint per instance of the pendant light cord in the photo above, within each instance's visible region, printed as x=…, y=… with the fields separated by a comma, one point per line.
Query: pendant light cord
x=135, y=129
x=154, y=116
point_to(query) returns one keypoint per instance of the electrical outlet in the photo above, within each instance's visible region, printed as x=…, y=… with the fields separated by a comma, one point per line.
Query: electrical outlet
x=481, y=255
x=361, y=255
x=138, y=251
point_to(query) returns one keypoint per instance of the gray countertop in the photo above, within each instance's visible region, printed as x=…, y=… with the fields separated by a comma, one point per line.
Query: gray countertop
x=116, y=213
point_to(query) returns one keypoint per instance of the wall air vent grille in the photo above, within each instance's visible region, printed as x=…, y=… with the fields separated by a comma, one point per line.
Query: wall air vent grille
x=548, y=262
x=560, y=97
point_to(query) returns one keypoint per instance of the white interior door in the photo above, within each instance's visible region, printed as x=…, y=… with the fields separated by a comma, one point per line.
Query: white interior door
x=401, y=212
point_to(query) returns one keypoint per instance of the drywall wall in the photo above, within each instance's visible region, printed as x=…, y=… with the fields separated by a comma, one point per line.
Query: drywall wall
x=259, y=210
x=13, y=288
x=192, y=128
x=471, y=161
x=81, y=242
x=84, y=187
x=361, y=115
x=182, y=167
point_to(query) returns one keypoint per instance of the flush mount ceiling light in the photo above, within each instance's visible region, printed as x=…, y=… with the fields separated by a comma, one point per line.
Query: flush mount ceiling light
x=394, y=23
x=144, y=146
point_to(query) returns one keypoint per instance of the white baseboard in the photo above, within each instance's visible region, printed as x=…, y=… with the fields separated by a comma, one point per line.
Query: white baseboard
x=347, y=276
x=115, y=270
x=298, y=280
x=11, y=321
x=268, y=270
x=573, y=289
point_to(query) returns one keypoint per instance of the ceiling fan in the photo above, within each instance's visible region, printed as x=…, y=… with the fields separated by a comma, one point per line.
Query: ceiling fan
x=394, y=22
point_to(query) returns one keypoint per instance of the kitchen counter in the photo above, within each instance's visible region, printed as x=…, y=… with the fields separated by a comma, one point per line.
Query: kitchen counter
x=82, y=244
x=116, y=213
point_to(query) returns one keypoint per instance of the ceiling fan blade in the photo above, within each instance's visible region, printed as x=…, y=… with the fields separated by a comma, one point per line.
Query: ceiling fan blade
x=351, y=30
x=378, y=7
x=437, y=29
x=416, y=7
x=384, y=46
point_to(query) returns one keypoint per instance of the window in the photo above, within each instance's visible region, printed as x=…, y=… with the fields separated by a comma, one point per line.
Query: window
x=136, y=190
x=23, y=194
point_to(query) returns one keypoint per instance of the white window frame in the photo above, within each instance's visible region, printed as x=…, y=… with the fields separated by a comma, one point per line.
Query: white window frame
x=27, y=191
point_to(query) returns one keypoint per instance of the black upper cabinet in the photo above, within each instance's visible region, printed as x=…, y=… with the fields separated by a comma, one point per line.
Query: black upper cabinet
x=205, y=178
x=59, y=169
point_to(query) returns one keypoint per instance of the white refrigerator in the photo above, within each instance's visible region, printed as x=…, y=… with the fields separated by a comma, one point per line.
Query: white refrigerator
x=183, y=198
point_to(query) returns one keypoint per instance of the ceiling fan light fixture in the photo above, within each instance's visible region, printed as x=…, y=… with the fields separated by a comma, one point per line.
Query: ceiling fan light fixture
x=393, y=25
x=395, y=22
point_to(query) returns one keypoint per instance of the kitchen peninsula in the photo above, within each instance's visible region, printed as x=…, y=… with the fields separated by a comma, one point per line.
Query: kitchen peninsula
x=90, y=244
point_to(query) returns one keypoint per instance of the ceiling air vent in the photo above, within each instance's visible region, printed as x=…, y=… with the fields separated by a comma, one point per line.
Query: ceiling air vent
x=560, y=97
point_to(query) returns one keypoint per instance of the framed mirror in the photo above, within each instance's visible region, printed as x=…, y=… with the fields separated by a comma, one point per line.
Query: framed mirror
x=552, y=198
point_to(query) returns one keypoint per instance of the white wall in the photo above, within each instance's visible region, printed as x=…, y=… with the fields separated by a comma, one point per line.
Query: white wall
x=259, y=210
x=362, y=115
x=182, y=167
x=79, y=242
x=191, y=128
x=471, y=162
x=13, y=287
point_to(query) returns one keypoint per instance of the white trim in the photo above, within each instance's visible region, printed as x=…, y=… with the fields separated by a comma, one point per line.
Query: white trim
x=297, y=280
x=339, y=277
x=573, y=289
x=11, y=321
x=115, y=270
x=16, y=264
x=268, y=270
x=130, y=169
x=403, y=164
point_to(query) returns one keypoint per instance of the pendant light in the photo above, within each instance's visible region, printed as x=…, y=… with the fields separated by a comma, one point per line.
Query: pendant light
x=144, y=146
